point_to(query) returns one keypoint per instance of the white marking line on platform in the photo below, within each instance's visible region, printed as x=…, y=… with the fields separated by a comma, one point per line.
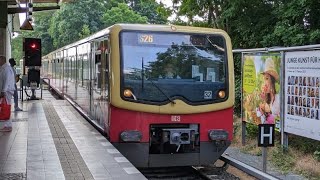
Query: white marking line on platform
x=131, y=170
x=100, y=137
x=121, y=159
x=106, y=144
x=113, y=151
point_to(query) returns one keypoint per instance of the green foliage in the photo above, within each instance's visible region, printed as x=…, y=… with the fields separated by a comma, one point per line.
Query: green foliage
x=252, y=130
x=85, y=31
x=251, y=149
x=67, y=23
x=238, y=88
x=283, y=160
x=210, y=11
x=156, y=13
x=303, y=144
x=16, y=51
x=41, y=26
x=316, y=155
x=122, y=14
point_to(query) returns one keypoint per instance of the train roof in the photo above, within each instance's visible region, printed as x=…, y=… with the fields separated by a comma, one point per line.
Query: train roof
x=143, y=27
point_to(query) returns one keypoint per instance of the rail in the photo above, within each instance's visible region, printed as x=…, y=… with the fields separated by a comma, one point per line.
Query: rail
x=246, y=168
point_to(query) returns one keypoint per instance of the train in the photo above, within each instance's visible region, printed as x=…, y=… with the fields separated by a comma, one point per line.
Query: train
x=163, y=95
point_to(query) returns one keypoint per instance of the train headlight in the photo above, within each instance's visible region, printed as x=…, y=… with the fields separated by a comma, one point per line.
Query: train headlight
x=131, y=136
x=222, y=94
x=218, y=134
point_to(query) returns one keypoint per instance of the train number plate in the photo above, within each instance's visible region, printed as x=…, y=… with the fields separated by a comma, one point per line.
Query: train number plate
x=175, y=118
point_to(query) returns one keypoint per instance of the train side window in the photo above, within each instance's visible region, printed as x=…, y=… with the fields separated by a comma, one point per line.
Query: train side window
x=97, y=72
x=86, y=71
x=80, y=70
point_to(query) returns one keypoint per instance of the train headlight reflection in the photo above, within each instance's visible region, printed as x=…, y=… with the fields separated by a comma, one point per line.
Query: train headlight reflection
x=128, y=93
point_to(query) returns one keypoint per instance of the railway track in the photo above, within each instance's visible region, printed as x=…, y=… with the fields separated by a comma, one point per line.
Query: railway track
x=188, y=173
x=211, y=172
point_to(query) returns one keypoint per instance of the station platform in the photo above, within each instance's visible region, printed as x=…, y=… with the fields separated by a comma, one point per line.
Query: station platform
x=51, y=140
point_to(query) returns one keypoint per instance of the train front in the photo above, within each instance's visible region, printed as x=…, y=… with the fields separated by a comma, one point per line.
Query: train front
x=172, y=95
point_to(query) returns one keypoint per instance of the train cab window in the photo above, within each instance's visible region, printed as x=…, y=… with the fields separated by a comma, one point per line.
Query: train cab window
x=190, y=67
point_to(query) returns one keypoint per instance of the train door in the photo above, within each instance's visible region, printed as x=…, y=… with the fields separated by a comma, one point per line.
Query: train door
x=100, y=81
x=85, y=98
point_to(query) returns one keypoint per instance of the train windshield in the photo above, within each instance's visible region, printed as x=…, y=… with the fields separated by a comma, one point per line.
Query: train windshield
x=161, y=67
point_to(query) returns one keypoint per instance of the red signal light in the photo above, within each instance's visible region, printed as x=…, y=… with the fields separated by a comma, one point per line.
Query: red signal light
x=33, y=45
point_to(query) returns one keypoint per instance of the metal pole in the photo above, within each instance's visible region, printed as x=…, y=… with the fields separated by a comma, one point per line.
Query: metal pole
x=284, y=136
x=278, y=49
x=3, y=27
x=243, y=124
x=41, y=87
x=264, y=159
x=21, y=88
x=244, y=133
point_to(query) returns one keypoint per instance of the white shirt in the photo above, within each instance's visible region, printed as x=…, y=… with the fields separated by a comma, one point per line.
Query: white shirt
x=7, y=81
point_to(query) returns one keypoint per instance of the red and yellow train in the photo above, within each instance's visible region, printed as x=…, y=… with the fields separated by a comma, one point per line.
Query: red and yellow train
x=162, y=94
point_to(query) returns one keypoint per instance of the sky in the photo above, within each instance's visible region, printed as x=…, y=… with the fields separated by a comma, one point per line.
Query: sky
x=22, y=16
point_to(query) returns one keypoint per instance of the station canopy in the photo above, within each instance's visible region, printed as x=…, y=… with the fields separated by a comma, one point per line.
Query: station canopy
x=18, y=6
x=36, y=1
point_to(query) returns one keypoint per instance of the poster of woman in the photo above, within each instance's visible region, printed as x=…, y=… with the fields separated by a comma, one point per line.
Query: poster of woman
x=261, y=88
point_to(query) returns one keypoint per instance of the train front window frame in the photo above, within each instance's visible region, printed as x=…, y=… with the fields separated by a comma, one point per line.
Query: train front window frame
x=201, y=74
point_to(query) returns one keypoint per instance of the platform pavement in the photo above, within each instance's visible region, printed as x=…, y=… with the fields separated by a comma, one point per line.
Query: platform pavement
x=50, y=140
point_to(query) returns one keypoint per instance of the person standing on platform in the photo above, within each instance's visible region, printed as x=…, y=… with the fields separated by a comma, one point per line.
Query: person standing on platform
x=15, y=95
x=7, y=82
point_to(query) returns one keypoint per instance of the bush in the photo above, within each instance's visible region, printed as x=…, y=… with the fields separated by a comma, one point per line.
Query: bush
x=316, y=155
x=304, y=144
x=252, y=130
x=238, y=88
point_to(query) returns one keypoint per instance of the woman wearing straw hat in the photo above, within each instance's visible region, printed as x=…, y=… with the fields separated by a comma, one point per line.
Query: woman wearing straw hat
x=270, y=108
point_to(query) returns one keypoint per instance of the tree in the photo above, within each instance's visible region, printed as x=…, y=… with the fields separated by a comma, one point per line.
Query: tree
x=41, y=25
x=122, y=14
x=156, y=13
x=297, y=24
x=85, y=32
x=68, y=22
x=209, y=10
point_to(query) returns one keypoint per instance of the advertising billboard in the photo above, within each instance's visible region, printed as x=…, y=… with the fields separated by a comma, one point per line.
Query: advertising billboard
x=302, y=83
x=261, y=87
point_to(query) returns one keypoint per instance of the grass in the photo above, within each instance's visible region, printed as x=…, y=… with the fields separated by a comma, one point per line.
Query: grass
x=302, y=156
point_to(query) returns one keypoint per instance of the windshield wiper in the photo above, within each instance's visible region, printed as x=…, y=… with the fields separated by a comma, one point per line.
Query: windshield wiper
x=214, y=45
x=142, y=83
x=162, y=92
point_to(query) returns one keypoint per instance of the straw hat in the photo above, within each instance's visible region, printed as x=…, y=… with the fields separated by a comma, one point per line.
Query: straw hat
x=270, y=69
